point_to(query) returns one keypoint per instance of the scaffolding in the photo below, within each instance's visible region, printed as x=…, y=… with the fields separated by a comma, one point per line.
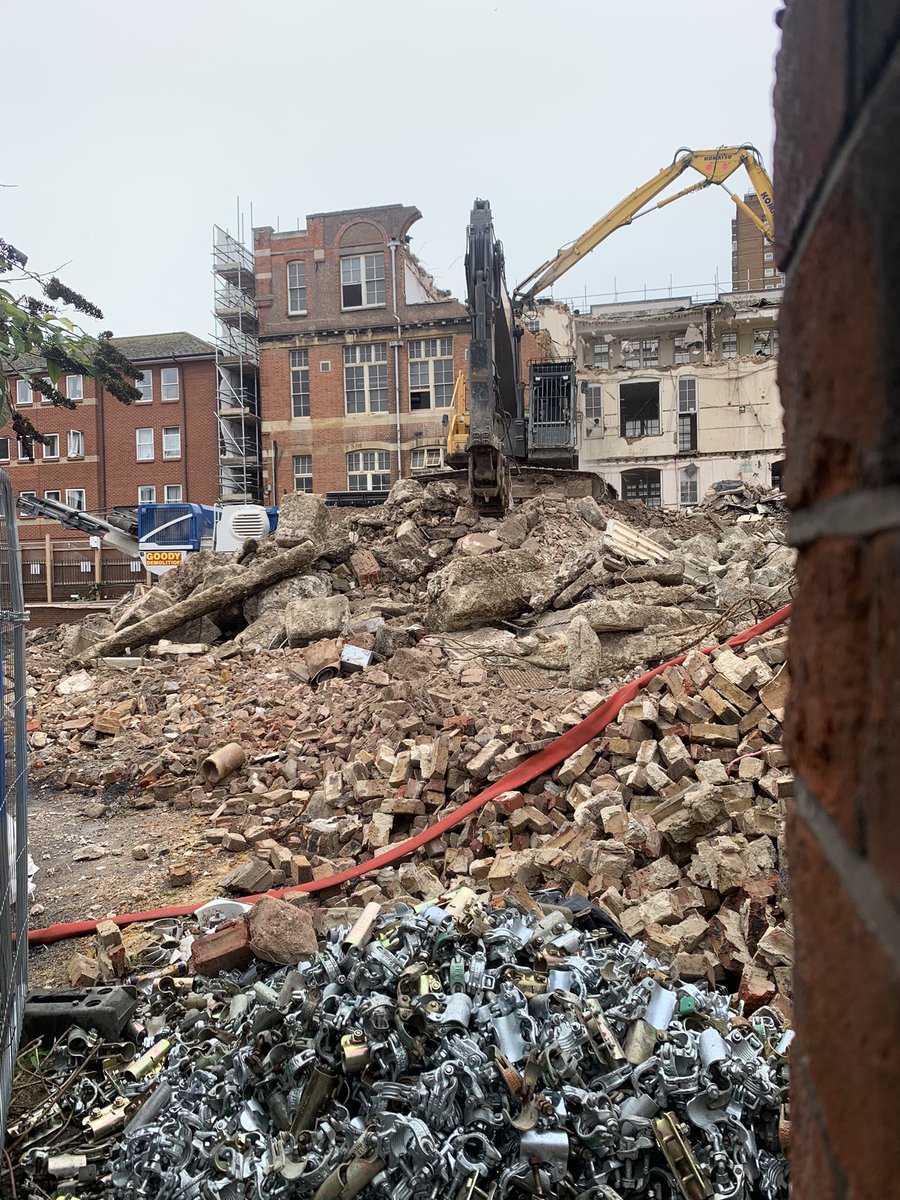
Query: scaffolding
x=237, y=371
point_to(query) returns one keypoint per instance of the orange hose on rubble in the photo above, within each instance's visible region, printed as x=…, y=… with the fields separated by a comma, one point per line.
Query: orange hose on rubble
x=538, y=764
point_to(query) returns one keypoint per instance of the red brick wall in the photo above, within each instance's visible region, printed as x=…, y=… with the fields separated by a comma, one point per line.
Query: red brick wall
x=193, y=413
x=838, y=119
x=329, y=434
x=109, y=472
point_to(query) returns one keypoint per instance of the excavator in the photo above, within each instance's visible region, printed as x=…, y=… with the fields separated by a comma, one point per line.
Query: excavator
x=488, y=428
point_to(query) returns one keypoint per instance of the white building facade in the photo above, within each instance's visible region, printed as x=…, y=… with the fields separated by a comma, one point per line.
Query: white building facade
x=676, y=395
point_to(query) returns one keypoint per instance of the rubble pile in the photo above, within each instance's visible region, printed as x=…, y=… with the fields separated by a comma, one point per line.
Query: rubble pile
x=464, y=1048
x=745, y=501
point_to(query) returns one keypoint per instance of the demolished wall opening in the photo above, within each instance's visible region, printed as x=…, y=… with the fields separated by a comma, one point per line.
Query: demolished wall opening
x=639, y=409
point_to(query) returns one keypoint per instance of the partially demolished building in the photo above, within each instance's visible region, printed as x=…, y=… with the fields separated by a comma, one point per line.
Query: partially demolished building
x=675, y=394
x=358, y=349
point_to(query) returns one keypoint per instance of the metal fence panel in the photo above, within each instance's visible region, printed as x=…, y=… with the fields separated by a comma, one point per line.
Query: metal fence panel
x=13, y=798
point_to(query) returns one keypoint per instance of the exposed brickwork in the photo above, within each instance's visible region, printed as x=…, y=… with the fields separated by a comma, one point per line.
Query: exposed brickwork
x=836, y=181
x=109, y=472
x=323, y=330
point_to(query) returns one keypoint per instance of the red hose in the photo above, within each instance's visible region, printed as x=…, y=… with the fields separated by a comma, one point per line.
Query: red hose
x=538, y=764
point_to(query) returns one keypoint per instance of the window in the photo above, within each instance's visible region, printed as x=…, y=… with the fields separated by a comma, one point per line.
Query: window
x=639, y=410
x=641, y=354
x=51, y=446
x=23, y=393
x=53, y=494
x=765, y=342
x=46, y=381
x=430, y=373
x=25, y=450
x=593, y=406
x=365, y=378
x=687, y=415
x=426, y=458
x=303, y=481
x=75, y=387
x=168, y=381
x=146, y=494
x=75, y=447
x=769, y=256
x=144, y=443
x=777, y=469
x=770, y=271
x=688, y=487
x=643, y=485
x=369, y=471
x=76, y=498
x=300, y=383
x=682, y=354
x=145, y=387
x=601, y=355
x=296, y=283
x=172, y=493
x=172, y=442
x=729, y=345
x=362, y=281
x=4, y=449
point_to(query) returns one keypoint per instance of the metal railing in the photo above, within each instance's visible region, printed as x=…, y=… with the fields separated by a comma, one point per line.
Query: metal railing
x=13, y=799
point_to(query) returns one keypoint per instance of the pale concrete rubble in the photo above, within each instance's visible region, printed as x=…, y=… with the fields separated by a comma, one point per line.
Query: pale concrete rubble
x=671, y=819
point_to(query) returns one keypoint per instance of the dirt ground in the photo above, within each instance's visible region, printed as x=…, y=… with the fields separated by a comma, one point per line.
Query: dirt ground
x=70, y=890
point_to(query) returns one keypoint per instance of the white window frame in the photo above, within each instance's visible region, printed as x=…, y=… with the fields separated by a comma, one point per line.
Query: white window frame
x=692, y=483
x=72, y=495
x=29, y=495
x=300, y=383
x=426, y=458
x=24, y=393
x=144, y=444
x=45, y=449
x=601, y=355
x=688, y=406
x=729, y=340
x=4, y=456
x=296, y=290
x=369, y=471
x=75, y=438
x=166, y=385
x=22, y=452
x=429, y=358
x=45, y=399
x=303, y=472
x=644, y=352
x=53, y=494
x=168, y=454
x=593, y=406
x=145, y=387
x=170, y=488
x=362, y=270
x=148, y=499
x=366, y=364
x=74, y=387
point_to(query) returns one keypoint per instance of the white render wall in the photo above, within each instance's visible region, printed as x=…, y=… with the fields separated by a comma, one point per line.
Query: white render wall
x=739, y=426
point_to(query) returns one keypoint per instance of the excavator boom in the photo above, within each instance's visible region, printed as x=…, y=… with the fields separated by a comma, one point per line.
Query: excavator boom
x=714, y=165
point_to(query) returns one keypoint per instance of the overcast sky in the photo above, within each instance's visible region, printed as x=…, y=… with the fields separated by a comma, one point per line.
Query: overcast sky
x=132, y=128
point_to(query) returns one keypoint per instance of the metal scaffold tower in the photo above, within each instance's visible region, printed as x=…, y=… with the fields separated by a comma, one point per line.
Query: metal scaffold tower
x=237, y=371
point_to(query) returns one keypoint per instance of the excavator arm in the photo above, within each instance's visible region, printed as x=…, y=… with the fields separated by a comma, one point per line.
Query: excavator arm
x=714, y=165
x=495, y=402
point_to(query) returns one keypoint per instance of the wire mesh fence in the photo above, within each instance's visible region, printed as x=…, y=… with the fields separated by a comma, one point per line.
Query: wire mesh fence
x=14, y=861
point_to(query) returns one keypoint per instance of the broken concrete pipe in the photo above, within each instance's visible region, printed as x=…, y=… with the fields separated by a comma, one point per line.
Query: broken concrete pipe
x=222, y=762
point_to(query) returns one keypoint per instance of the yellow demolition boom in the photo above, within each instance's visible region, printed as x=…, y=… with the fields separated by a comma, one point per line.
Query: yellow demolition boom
x=714, y=165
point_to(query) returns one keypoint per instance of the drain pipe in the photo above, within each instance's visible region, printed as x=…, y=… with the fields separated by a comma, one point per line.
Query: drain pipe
x=393, y=244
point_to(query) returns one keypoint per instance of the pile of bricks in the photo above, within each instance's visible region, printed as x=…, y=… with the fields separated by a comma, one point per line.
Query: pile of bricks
x=672, y=820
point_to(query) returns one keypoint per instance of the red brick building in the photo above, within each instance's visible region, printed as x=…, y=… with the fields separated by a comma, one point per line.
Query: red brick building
x=103, y=454
x=358, y=353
